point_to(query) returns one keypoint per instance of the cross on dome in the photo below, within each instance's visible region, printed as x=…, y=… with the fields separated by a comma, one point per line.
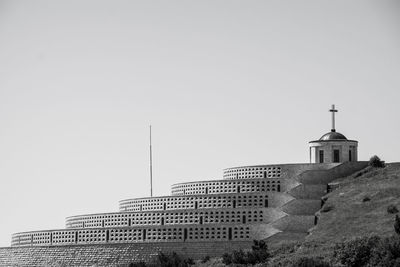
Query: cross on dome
x=333, y=110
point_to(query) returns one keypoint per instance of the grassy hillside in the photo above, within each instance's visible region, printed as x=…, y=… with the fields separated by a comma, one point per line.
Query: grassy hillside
x=357, y=208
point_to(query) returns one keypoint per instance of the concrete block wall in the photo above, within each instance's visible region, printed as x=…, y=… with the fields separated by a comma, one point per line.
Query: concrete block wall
x=200, y=201
x=110, y=255
x=228, y=186
x=170, y=217
x=284, y=171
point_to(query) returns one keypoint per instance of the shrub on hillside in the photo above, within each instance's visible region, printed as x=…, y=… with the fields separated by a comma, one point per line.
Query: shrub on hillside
x=298, y=262
x=172, y=260
x=376, y=162
x=227, y=258
x=366, y=198
x=397, y=224
x=358, y=174
x=138, y=264
x=205, y=259
x=386, y=253
x=327, y=208
x=362, y=172
x=357, y=252
x=239, y=256
x=259, y=253
x=370, y=251
x=392, y=209
x=310, y=262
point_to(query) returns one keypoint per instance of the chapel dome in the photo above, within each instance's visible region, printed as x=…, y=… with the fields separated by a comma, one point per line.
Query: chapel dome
x=333, y=136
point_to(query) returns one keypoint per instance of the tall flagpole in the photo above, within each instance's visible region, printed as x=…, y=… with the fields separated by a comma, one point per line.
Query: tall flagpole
x=151, y=168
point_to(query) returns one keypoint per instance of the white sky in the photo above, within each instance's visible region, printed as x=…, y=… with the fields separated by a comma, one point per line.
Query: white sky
x=223, y=83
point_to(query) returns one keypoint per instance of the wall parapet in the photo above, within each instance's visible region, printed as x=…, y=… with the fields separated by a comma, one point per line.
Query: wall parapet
x=197, y=201
x=189, y=233
x=172, y=217
x=272, y=171
x=228, y=186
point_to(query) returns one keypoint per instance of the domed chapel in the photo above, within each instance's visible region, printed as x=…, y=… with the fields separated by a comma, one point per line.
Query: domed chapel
x=203, y=218
x=333, y=147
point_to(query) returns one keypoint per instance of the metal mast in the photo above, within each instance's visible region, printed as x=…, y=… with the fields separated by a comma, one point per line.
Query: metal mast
x=151, y=168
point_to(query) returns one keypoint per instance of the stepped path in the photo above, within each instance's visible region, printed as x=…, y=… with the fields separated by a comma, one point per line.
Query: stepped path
x=269, y=202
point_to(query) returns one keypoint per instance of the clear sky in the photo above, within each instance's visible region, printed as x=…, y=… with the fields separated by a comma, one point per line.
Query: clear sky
x=224, y=83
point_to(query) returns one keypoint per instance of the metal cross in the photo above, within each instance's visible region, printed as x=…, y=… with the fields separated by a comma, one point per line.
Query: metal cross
x=333, y=110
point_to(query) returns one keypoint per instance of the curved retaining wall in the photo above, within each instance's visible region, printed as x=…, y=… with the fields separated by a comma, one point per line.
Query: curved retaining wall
x=251, y=172
x=128, y=219
x=196, y=202
x=190, y=233
x=111, y=255
x=228, y=186
x=272, y=171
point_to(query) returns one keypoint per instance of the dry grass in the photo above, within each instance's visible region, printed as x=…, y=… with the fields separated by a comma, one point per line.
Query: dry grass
x=353, y=216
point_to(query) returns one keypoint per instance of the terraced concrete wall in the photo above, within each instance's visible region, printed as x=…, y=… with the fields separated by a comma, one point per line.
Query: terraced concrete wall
x=272, y=171
x=110, y=255
x=228, y=186
x=193, y=216
x=218, y=201
x=173, y=234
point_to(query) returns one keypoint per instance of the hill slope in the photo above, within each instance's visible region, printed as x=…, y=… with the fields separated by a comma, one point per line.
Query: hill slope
x=356, y=208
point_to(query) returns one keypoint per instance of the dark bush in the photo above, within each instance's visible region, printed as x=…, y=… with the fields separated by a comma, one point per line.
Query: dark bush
x=227, y=258
x=366, y=198
x=239, y=256
x=168, y=260
x=356, y=253
x=397, y=224
x=258, y=254
x=138, y=264
x=358, y=174
x=205, y=259
x=310, y=262
x=376, y=162
x=386, y=253
x=188, y=262
x=172, y=260
x=362, y=172
x=392, y=209
x=327, y=208
x=370, y=251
